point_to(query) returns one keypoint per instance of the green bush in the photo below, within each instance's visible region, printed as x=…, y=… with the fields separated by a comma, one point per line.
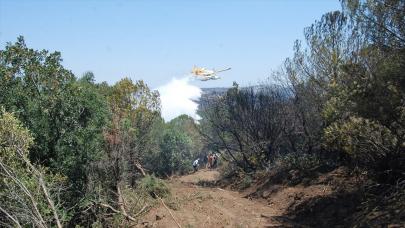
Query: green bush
x=153, y=186
x=298, y=161
x=229, y=170
x=366, y=142
x=246, y=182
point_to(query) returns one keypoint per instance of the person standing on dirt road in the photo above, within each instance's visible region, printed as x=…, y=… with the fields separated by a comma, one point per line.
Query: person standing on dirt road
x=195, y=165
x=215, y=161
x=209, y=164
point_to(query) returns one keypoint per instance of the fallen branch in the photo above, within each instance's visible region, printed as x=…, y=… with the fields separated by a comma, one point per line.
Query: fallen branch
x=116, y=211
x=50, y=201
x=10, y=217
x=42, y=183
x=8, y=173
x=139, y=167
x=121, y=202
x=140, y=212
x=174, y=219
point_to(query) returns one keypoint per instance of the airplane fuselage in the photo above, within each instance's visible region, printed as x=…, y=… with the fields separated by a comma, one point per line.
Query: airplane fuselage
x=205, y=75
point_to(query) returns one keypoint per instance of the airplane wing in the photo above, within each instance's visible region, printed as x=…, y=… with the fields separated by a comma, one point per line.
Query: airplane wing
x=223, y=70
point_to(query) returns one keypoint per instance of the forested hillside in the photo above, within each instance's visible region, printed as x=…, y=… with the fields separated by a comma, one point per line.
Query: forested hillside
x=339, y=102
x=75, y=152
x=84, y=142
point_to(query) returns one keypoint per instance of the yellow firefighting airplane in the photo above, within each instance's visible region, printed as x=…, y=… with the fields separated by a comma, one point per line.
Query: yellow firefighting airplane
x=204, y=75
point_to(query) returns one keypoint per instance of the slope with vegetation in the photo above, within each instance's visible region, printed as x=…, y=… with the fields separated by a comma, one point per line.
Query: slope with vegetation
x=339, y=103
x=88, y=144
x=77, y=152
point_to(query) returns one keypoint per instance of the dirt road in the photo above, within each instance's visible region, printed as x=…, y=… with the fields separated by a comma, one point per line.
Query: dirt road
x=196, y=206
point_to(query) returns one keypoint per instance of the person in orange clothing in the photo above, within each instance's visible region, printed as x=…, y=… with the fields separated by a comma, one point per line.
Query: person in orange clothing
x=209, y=163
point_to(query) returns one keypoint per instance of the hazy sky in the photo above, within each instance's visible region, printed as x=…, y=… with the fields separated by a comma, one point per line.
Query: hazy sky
x=159, y=40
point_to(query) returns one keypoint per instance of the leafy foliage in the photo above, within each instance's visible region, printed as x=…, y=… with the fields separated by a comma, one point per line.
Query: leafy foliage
x=74, y=143
x=340, y=99
x=177, y=144
x=175, y=152
x=65, y=116
x=27, y=192
x=153, y=186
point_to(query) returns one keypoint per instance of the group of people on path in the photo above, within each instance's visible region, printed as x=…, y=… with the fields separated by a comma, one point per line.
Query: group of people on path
x=212, y=162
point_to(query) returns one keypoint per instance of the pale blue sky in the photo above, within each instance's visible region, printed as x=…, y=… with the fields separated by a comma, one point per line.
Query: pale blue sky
x=158, y=40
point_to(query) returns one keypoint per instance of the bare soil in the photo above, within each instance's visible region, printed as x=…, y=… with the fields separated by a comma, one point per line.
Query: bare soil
x=196, y=206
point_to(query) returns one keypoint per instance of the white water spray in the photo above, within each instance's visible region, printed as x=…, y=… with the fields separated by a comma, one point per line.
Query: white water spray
x=178, y=97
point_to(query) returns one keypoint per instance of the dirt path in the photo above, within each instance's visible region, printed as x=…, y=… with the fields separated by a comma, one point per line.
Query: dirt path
x=195, y=206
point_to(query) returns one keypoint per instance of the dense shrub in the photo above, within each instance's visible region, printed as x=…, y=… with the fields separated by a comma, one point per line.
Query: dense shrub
x=301, y=162
x=153, y=186
x=366, y=142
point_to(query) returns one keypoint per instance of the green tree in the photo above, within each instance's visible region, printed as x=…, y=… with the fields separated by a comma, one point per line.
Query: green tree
x=175, y=152
x=134, y=109
x=65, y=116
x=366, y=101
x=190, y=128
